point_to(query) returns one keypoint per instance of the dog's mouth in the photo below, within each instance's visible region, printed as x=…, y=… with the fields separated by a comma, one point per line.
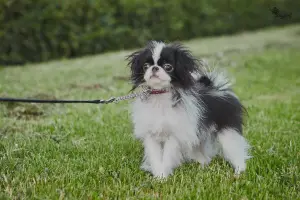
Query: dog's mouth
x=154, y=76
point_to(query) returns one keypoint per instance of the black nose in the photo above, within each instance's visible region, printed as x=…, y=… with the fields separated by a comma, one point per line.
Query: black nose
x=155, y=69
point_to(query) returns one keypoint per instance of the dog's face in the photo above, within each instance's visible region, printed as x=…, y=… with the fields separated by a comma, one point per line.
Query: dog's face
x=161, y=66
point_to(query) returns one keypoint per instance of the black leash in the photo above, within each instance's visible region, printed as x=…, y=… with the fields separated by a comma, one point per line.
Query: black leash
x=98, y=101
x=144, y=94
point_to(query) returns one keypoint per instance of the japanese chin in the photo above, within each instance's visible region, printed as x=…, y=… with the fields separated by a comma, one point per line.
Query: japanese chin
x=191, y=114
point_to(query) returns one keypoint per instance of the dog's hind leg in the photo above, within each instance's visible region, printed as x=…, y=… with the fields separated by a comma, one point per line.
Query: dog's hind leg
x=235, y=148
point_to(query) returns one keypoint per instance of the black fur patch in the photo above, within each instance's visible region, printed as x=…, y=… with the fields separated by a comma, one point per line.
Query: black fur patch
x=223, y=111
x=205, y=81
x=136, y=61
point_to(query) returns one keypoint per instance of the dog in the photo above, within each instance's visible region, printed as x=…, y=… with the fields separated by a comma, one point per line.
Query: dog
x=191, y=114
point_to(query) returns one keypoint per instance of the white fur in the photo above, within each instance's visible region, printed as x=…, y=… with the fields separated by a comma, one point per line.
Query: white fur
x=160, y=82
x=168, y=133
x=196, y=75
x=158, y=46
x=219, y=78
x=220, y=81
x=235, y=149
x=163, y=79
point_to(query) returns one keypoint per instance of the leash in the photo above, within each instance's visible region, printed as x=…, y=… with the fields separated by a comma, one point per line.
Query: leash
x=143, y=94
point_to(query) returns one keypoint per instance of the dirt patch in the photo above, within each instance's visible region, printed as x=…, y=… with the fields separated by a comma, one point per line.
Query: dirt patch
x=9, y=128
x=28, y=110
x=43, y=96
x=88, y=87
x=297, y=32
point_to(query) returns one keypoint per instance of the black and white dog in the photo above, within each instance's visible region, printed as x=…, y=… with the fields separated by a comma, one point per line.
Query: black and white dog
x=192, y=114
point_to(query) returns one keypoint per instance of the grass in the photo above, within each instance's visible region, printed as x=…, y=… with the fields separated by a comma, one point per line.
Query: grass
x=76, y=151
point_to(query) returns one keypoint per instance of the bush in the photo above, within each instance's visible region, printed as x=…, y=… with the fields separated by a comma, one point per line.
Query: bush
x=41, y=30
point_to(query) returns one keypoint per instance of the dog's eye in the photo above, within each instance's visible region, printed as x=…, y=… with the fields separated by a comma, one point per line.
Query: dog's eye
x=168, y=67
x=146, y=66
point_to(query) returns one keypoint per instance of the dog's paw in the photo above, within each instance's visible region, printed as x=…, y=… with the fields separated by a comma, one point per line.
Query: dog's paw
x=239, y=170
x=204, y=161
x=162, y=174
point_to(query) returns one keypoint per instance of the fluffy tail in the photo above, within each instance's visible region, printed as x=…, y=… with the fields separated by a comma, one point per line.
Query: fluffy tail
x=213, y=78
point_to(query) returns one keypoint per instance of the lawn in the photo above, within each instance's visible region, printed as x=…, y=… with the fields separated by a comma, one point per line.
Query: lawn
x=80, y=151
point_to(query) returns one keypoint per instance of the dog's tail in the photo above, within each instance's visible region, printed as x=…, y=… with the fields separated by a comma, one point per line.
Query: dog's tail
x=213, y=78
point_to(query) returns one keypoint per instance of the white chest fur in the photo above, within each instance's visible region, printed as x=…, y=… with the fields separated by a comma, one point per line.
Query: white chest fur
x=158, y=118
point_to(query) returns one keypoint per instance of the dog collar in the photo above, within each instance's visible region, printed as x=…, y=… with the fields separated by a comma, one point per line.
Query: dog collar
x=153, y=91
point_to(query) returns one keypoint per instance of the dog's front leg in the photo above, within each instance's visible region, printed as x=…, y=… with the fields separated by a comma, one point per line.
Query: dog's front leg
x=172, y=156
x=153, y=155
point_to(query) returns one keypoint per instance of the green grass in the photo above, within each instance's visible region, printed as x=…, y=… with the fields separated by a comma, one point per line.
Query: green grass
x=77, y=151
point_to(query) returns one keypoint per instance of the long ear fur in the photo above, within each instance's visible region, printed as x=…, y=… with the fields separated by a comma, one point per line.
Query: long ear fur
x=135, y=62
x=186, y=64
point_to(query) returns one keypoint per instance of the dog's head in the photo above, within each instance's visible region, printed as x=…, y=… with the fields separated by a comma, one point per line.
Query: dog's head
x=162, y=66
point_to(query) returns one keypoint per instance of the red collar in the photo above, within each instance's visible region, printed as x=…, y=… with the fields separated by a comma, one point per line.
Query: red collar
x=153, y=91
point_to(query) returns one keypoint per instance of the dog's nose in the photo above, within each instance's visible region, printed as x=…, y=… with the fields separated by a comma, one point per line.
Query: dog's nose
x=155, y=69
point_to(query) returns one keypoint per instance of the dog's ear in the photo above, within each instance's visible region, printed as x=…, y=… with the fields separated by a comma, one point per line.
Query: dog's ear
x=185, y=65
x=133, y=60
x=136, y=61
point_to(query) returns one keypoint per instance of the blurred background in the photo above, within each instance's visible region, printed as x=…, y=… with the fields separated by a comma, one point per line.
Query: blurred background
x=42, y=30
x=86, y=151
